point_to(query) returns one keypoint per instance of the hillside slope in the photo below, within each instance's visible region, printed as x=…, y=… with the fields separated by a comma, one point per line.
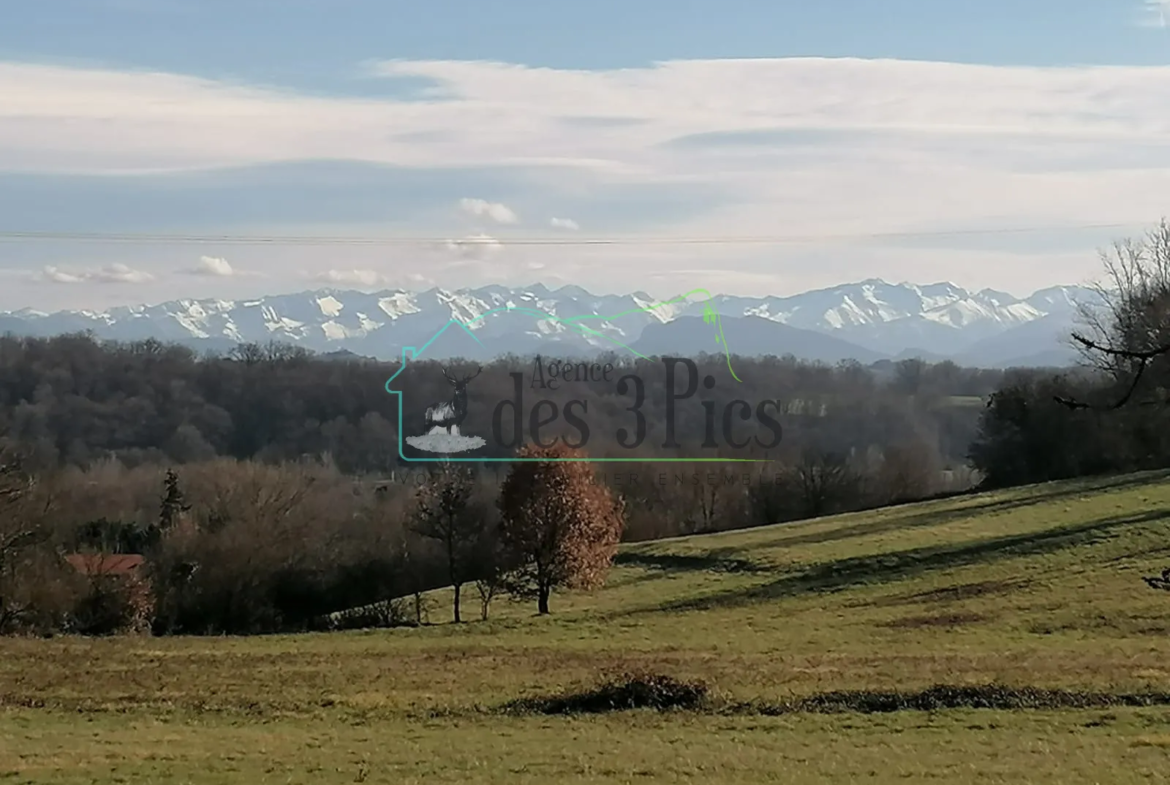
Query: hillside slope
x=1038, y=587
x=750, y=336
x=1050, y=574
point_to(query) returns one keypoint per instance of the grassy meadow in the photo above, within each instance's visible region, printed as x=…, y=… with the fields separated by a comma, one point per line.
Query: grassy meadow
x=1036, y=587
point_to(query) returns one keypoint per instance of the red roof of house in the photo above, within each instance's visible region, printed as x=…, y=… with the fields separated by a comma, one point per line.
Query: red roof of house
x=105, y=563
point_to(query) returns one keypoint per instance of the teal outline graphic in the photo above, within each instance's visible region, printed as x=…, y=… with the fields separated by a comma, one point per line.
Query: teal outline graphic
x=710, y=316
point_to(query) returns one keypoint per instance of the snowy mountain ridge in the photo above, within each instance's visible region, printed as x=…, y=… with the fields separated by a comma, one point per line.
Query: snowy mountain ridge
x=888, y=319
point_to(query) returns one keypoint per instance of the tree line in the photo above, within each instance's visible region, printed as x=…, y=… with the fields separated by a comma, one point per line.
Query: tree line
x=72, y=400
x=233, y=547
x=265, y=492
x=242, y=546
x=1111, y=414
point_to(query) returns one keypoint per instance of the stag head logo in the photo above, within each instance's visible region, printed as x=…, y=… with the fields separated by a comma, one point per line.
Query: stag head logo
x=442, y=420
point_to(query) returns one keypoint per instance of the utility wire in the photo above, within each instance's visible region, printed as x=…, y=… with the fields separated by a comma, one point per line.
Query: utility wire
x=226, y=239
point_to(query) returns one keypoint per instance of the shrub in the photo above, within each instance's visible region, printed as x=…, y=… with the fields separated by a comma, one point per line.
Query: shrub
x=113, y=604
x=380, y=615
x=622, y=693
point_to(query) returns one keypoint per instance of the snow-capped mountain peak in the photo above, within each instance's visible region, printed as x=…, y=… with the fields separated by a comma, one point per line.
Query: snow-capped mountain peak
x=939, y=319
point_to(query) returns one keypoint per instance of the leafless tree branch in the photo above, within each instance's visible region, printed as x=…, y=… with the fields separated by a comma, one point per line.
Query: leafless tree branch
x=1142, y=358
x=1129, y=329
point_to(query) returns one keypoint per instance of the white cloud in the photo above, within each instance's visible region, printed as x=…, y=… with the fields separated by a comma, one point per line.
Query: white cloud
x=218, y=267
x=213, y=266
x=480, y=208
x=352, y=277
x=564, y=223
x=818, y=148
x=120, y=273
x=113, y=273
x=371, y=278
x=57, y=275
x=73, y=119
x=476, y=246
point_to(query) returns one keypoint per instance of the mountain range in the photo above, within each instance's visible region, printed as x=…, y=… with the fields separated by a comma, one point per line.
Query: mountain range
x=867, y=321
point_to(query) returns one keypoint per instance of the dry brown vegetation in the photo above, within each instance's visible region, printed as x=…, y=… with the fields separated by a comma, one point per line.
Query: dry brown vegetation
x=253, y=548
x=559, y=527
x=241, y=547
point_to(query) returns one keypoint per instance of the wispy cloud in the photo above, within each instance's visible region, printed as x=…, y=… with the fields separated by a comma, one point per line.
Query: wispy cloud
x=110, y=274
x=501, y=114
x=213, y=266
x=812, y=147
x=476, y=246
x=564, y=223
x=481, y=208
x=57, y=275
x=1155, y=14
x=120, y=273
x=352, y=277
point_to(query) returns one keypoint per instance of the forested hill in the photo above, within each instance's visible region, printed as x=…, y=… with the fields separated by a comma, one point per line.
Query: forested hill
x=72, y=400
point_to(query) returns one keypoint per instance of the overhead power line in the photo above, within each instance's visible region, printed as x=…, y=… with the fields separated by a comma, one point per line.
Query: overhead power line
x=241, y=239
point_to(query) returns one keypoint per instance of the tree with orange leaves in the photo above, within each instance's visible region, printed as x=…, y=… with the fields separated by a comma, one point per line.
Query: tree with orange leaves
x=559, y=526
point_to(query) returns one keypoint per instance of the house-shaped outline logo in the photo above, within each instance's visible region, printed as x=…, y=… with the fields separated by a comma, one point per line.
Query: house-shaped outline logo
x=413, y=354
x=409, y=354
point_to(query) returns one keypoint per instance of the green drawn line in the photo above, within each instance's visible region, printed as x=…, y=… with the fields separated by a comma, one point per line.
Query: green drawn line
x=710, y=316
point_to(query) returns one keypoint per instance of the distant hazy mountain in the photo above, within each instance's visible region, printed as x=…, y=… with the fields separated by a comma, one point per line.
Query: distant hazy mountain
x=867, y=320
x=939, y=318
x=1046, y=337
x=748, y=335
x=1048, y=359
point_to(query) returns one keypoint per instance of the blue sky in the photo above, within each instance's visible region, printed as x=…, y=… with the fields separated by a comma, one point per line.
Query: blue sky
x=314, y=44
x=467, y=130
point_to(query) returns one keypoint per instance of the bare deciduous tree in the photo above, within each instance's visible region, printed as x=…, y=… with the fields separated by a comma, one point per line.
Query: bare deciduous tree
x=1126, y=335
x=909, y=471
x=706, y=496
x=447, y=513
x=490, y=581
x=24, y=503
x=824, y=482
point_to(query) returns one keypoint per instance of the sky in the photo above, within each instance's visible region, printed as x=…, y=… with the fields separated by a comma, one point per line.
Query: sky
x=160, y=149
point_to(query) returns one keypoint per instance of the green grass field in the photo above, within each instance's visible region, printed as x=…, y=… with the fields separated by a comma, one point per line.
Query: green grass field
x=1036, y=587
